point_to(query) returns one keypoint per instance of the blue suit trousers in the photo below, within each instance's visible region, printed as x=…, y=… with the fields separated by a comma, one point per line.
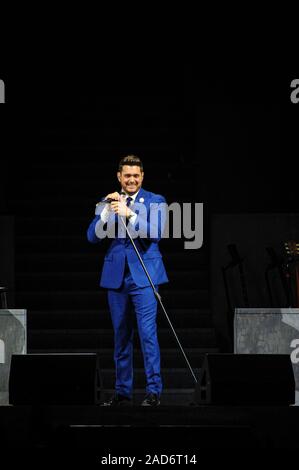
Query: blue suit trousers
x=144, y=304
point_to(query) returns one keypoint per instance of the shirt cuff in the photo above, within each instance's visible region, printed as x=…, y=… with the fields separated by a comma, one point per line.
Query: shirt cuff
x=105, y=214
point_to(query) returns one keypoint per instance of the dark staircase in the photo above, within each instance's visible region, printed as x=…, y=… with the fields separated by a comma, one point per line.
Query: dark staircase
x=57, y=270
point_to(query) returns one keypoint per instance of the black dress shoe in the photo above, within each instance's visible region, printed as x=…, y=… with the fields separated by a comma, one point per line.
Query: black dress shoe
x=118, y=400
x=151, y=399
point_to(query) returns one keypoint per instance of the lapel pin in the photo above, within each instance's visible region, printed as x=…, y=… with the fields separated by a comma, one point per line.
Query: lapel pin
x=141, y=199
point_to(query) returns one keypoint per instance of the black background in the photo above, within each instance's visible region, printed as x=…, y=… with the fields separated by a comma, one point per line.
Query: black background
x=241, y=128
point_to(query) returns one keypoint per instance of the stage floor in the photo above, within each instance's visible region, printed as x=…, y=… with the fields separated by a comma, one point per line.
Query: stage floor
x=100, y=428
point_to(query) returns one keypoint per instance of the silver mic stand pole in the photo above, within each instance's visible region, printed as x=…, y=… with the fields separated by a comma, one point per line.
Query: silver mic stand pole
x=158, y=296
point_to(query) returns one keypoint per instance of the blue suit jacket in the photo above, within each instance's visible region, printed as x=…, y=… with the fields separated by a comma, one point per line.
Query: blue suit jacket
x=121, y=249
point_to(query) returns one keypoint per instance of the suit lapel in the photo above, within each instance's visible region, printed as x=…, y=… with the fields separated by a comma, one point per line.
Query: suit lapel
x=142, y=195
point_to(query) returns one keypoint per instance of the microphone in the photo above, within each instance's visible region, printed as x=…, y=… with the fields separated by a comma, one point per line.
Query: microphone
x=109, y=199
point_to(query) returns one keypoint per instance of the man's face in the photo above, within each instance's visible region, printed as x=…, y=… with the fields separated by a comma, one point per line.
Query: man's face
x=130, y=178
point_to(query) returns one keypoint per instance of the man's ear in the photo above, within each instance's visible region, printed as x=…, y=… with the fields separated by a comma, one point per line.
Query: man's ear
x=118, y=176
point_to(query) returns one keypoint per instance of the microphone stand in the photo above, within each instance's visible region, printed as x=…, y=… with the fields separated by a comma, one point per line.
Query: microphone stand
x=158, y=296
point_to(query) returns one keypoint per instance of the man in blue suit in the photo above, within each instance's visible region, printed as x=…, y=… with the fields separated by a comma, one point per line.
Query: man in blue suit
x=126, y=281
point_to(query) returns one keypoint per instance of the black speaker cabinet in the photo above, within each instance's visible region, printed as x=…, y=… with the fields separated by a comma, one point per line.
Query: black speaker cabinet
x=246, y=379
x=54, y=379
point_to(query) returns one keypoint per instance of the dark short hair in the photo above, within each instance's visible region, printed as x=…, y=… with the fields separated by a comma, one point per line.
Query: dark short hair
x=130, y=160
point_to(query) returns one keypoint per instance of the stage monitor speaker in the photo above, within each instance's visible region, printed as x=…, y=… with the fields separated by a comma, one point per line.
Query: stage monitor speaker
x=246, y=379
x=54, y=379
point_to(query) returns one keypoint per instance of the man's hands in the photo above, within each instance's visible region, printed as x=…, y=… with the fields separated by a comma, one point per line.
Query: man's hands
x=118, y=205
x=115, y=196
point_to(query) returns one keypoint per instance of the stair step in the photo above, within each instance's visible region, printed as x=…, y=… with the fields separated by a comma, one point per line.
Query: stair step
x=47, y=319
x=90, y=262
x=76, y=243
x=55, y=225
x=84, y=281
x=170, y=358
x=172, y=378
x=62, y=208
x=183, y=298
x=98, y=339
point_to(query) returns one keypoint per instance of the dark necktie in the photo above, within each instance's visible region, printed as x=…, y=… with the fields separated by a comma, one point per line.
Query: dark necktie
x=128, y=202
